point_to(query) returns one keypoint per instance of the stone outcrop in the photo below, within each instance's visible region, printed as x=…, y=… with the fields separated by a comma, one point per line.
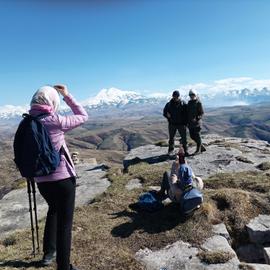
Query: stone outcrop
x=147, y=153
x=259, y=229
x=220, y=229
x=14, y=206
x=251, y=253
x=181, y=255
x=223, y=155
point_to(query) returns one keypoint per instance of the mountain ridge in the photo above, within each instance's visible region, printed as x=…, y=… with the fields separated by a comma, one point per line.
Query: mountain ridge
x=110, y=98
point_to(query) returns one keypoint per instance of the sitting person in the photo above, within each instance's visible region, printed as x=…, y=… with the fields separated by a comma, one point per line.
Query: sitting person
x=179, y=179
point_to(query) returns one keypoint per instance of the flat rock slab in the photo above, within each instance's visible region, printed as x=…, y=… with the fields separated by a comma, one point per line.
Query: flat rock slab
x=147, y=153
x=217, y=243
x=259, y=229
x=176, y=256
x=257, y=266
x=181, y=255
x=220, y=229
x=14, y=206
x=223, y=155
x=91, y=183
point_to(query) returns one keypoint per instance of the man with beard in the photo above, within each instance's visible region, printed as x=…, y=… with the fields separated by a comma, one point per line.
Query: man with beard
x=176, y=113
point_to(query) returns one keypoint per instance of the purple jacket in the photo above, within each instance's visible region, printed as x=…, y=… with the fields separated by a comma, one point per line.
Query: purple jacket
x=57, y=125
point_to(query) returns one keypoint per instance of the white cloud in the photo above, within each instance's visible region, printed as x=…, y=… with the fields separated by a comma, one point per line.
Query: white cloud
x=223, y=85
x=158, y=95
x=236, y=83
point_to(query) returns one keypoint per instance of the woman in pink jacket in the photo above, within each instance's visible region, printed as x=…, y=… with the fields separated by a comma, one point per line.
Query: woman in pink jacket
x=58, y=188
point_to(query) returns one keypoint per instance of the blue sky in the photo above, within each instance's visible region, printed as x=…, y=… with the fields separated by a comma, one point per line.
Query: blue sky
x=142, y=45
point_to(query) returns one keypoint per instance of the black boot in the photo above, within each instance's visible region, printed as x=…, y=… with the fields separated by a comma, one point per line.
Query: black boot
x=186, y=151
x=198, y=149
x=48, y=259
x=203, y=149
x=170, y=150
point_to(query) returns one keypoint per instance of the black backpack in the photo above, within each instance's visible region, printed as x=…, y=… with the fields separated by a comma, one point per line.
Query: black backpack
x=34, y=153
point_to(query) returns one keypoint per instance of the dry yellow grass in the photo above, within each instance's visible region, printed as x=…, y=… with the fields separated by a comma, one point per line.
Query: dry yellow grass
x=107, y=233
x=215, y=257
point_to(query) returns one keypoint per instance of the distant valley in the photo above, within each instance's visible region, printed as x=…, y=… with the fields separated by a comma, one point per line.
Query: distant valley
x=111, y=132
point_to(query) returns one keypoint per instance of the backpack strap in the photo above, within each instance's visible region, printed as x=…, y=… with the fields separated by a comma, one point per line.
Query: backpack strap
x=42, y=115
x=63, y=151
x=38, y=117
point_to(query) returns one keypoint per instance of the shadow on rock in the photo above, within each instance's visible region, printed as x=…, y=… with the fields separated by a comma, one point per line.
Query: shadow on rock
x=163, y=220
x=20, y=264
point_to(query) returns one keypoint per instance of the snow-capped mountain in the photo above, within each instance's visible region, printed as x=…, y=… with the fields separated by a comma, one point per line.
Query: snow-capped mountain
x=236, y=97
x=119, y=99
x=112, y=96
x=10, y=111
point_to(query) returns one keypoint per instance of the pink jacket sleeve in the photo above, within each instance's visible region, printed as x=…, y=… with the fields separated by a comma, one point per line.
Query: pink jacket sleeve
x=72, y=121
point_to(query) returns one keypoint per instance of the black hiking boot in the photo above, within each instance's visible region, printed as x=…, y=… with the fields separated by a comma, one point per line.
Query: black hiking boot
x=48, y=259
x=203, y=149
x=198, y=149
x=186, y=153
x=170, y=151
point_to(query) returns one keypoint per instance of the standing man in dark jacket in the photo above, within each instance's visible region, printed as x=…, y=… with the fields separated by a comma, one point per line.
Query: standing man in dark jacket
x=176, y=113
x=195, y=113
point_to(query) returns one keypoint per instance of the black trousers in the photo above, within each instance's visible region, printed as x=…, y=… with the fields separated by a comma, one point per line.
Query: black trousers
x=60, y=196
x=183, y=134
x=195, y=134
x=165, y=186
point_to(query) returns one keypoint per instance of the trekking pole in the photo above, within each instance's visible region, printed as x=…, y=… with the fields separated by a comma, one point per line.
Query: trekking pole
x=31, y=215
x=35, y=211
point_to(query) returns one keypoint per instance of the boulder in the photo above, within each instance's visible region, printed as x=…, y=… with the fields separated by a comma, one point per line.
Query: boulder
x=183, y=256
x=179, y=255
x=14, y=206
x=218, y=243
x=222, y=155
x=259, y=229
x=251, y=253
x=220, y=229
